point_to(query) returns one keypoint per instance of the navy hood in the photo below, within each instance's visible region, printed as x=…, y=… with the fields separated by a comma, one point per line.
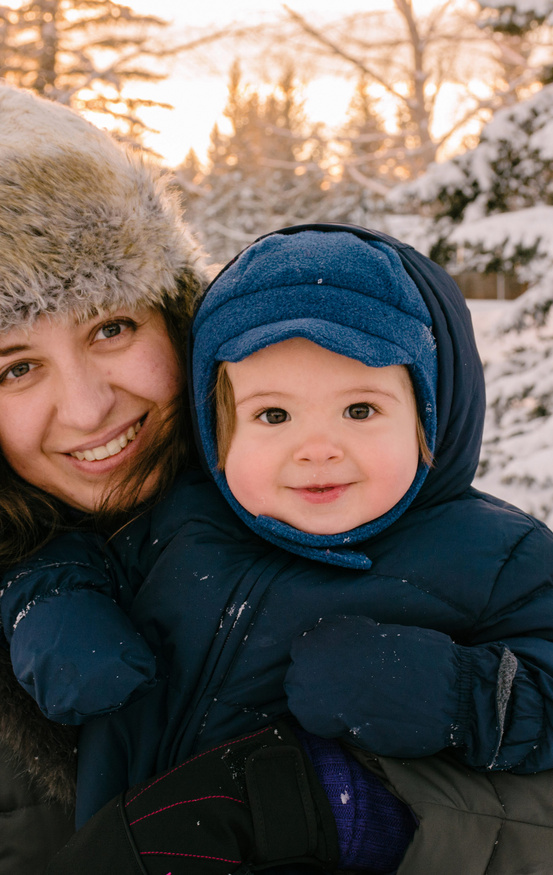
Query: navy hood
x=365, y=295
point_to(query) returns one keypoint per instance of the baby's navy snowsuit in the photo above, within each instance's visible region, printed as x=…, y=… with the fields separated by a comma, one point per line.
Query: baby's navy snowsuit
x=459, y=583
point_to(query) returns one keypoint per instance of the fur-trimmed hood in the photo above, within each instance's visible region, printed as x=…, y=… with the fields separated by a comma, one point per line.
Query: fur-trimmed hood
x=44, y=751
x=85, y=224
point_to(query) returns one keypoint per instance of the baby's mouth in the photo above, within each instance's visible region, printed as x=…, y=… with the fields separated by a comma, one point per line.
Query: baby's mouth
x=112, y=448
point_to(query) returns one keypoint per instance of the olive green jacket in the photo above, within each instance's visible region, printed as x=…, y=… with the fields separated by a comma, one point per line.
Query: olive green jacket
x=471, y=823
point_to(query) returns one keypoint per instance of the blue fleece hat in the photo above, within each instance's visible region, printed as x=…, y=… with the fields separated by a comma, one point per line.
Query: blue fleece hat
x=349, y=295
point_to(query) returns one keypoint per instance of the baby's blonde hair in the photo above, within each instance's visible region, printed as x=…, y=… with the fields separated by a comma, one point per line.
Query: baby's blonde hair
x=225, y=411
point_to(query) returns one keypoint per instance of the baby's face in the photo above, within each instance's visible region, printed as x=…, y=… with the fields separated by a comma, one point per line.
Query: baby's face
x=322, y=442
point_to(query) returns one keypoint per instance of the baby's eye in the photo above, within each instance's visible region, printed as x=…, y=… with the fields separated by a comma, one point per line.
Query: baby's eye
x=358, y=411
x=274, y=416
x=21, y=369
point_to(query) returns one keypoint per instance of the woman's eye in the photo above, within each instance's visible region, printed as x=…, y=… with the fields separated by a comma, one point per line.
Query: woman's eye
x=17, y=371
x=274, y=416
x=358, y=411
x=112, y=329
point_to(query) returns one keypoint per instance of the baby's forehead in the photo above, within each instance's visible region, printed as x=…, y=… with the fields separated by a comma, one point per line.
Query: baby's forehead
x=298, y=347
x=299, y=365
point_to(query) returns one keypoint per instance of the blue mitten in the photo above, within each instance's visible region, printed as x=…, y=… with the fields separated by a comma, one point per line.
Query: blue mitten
x=393, y=690
x=79, y=656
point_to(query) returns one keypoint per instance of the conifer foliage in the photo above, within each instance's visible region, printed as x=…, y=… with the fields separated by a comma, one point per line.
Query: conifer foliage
x=82, y=53
x=492, y=210
x=264, y=171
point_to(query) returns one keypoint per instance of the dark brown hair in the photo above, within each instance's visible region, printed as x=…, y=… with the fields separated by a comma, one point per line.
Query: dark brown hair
x=28, y=516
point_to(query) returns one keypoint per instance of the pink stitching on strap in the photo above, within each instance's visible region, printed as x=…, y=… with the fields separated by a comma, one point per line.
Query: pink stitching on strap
x=184, y=802
x=219, y=746
x=197, y=856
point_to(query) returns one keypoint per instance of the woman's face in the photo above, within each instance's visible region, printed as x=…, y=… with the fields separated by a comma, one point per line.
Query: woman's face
x=77, y=400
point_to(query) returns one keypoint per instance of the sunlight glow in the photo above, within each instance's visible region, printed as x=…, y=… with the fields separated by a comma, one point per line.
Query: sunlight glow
x=199, y=95
x=199, y=99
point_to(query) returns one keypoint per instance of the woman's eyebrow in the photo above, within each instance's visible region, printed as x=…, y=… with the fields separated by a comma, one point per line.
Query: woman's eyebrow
x=10, y=350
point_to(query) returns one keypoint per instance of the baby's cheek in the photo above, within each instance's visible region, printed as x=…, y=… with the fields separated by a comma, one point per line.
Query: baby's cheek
x=239, y=478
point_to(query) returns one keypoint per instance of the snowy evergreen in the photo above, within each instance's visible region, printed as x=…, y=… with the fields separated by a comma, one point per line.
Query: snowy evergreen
x=492, y=211
x=518, y=16
x=361, y=173
x=517, y=453
x=265, y=173
x=491, y=205
x=82, y=53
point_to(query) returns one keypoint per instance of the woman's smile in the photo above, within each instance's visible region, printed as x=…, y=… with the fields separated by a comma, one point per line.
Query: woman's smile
x=78, y=399
x=111, y=447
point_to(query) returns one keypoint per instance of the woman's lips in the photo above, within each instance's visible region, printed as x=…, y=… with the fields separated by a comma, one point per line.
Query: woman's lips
x=103, y=463
x=111, y=448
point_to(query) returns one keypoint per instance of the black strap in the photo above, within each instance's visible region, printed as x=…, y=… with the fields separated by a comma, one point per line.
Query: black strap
x=283, y=814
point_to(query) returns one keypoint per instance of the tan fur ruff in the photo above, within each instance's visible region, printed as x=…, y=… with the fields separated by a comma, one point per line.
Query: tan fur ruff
x=85, y=224
x=42, y=750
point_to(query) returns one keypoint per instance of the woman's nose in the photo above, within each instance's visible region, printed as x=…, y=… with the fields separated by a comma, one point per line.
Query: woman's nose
x=84, y=399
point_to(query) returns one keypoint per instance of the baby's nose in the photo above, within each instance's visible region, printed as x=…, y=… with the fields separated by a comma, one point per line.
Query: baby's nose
x=318, y=449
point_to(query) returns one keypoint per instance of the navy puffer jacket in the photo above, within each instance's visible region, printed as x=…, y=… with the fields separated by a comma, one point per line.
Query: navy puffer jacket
x=460, y=585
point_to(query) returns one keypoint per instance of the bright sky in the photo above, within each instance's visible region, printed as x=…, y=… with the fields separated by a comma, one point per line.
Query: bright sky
x=199, y=96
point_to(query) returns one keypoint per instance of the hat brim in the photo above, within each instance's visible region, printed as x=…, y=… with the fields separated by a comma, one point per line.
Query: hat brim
x=370, y=349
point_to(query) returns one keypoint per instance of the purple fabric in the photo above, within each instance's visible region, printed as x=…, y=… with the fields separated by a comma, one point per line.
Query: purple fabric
x=374, y=826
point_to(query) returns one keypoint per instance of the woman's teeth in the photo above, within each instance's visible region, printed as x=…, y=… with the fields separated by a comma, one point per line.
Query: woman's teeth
x=111, y=448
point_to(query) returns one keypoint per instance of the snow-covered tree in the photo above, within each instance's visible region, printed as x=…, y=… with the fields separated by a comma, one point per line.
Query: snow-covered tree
x=363, y=171
x=516, y=17
x=263, y=174
x=492, y=211
x=491, y=205
x=416, y=62
x=517, y=453
x=82, y=53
